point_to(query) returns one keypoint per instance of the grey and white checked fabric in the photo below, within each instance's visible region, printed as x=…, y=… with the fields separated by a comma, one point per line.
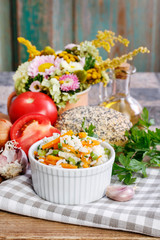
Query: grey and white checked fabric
x=141, y=214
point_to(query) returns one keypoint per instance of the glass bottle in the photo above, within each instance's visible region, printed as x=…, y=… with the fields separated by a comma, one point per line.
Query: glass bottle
x=120, y=98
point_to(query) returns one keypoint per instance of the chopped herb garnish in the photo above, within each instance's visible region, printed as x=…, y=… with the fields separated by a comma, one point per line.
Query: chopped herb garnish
x=38, y=147
x=107, y=151
x=55, y=152
x=93, y=156
x=59, y=146
x=41, y=152
x=78, y=164
x=89, y=130
x=72, y=160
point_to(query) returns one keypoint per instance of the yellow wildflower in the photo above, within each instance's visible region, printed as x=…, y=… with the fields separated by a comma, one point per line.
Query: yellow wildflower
x=115, y=62
x=107, y=40
x=30, y=48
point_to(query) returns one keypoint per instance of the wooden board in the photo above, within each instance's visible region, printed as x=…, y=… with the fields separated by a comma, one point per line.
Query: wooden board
x=5, y=37
x=16, y=227
x=58, y=22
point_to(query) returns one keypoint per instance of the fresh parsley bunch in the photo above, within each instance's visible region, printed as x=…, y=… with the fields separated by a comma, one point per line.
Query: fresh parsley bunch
x=141, y=143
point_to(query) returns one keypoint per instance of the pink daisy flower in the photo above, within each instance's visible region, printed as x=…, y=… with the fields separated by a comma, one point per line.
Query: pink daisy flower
x=35, y=86
x=69, y=82
x=44, y=65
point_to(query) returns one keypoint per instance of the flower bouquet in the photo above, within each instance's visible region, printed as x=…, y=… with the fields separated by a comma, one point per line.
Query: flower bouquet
x=63, y=74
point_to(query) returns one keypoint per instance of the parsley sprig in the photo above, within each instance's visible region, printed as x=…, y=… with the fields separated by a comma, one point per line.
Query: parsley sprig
x=142, y=143
x=89, y=130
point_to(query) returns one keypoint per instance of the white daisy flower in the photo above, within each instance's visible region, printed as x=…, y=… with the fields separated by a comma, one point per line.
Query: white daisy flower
x=72, y=66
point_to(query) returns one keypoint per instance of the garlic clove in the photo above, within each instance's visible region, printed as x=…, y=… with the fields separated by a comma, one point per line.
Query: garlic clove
x=13, y=161
x=3, y=160
x=120, y=193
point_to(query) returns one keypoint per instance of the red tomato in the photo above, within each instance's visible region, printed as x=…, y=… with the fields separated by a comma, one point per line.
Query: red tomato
x=30, y=128
x=33, y=102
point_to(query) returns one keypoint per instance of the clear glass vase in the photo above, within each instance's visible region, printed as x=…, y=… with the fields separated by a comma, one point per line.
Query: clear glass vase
x=120, y=98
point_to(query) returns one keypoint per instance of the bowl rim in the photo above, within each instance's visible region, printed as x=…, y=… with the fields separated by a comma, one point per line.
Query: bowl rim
x=31, y=158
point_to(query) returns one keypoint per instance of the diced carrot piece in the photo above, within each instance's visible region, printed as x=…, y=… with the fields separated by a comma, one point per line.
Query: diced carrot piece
x=67, y=165
x=55, y=146
x=56, y=141
x=85, y=143
x=42, y=158
x=51, y=144
x=51, y=157
x=82, y=134
x=53, y=162
x=95, y=142
x=88, y=144
x=35, y=153
x=98, y=157
x=72, y=149
x=43, y=163
x=70, y=132
x=85, y=165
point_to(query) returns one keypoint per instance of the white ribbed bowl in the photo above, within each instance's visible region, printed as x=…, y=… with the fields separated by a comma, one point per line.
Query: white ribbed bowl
x=70, y=186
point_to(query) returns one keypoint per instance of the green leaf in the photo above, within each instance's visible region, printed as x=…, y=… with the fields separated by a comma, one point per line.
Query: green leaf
x=128, y=179
x=144, y=121
x=89, y=130
x=154, y=136
x=145, y=114
x=135, y=165
x=117, y=169
x=89, y=62
x=124, y=160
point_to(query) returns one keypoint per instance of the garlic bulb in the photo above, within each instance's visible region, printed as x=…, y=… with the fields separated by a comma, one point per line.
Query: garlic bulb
x=120, y=193
x=13, y=161
x=5, y=126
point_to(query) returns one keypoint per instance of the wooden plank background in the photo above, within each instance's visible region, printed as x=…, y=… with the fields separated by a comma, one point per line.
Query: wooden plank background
x=5, y=37
x=58, y=22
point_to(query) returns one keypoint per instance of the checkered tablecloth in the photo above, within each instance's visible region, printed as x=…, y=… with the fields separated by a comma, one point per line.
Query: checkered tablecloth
x=141, y=214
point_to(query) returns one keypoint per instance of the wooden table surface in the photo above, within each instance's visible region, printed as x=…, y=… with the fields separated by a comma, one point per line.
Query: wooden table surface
x=145, y=87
